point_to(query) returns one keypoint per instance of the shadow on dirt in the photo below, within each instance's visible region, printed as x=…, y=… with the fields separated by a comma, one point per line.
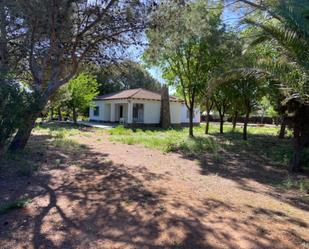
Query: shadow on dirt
x=87, y=201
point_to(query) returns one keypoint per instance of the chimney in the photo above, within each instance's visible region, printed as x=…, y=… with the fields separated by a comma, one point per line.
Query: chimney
x=165, y=108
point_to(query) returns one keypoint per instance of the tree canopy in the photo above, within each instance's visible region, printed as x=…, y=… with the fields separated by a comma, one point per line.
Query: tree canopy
x=125, y=75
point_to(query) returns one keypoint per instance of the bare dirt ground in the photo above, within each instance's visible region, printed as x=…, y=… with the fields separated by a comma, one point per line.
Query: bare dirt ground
x=111, y=195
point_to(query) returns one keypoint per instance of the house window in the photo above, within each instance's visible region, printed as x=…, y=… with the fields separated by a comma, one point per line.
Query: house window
x=138, y=113
x=96, y=111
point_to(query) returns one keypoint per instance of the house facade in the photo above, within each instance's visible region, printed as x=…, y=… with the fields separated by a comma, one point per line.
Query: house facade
x=138, y=106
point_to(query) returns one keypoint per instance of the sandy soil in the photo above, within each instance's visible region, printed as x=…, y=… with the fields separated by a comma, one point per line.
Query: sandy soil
x=112, y=195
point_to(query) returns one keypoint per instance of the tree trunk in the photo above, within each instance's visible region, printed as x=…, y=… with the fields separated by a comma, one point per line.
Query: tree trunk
x=221, y=123
x=295, y=166
x=59, y=114
x=207, y=122
x=191, y=122
x=234, y=121
x=74, y=115
x=282, y=127
x=22, y=136
x=51, y=113
x=2, y=150
x=245, y=137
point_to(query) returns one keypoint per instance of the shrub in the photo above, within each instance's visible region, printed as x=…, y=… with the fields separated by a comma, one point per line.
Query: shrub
x=6, y=207
x=12, y=105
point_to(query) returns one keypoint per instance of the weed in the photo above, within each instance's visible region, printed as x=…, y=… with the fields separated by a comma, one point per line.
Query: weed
x=302, y=184
x=6, y=207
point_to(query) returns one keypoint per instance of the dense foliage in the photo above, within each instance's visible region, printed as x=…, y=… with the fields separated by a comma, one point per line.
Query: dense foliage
x=125, y=75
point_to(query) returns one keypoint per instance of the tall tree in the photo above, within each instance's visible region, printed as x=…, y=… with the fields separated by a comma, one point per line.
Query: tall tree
x=221, y=99
x=287, y=24
x=183, y=42
x=125, y=75
x=58, y=36
x=81, y=91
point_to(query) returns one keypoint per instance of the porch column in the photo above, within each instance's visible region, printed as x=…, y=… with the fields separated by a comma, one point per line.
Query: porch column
x=112, y=119
x=130, y=112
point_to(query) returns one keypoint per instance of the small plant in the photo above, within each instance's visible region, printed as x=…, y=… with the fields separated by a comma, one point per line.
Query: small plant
x=217, y=157
x=57, y=162
x=6, y=207
x=304, y=185
x=301, y=184
x=120, y=130
x=67, y=144
x=61, y=134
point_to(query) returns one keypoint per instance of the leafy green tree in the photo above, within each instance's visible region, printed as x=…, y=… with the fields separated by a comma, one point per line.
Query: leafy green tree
x=53, y=40
x=221, y=99
x=81, y=90
x=125, y=75
x=267, y=108
x=12, y=101
x=289, y=28
x=59, y=102
x=183, y=42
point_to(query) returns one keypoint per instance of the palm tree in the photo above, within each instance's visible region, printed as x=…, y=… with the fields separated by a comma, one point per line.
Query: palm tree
x=286, y=24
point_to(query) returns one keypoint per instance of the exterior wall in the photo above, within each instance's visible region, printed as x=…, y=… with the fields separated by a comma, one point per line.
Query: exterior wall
x=152, y=111
x=185, y=118
x=101, y=106
x=175, y=109
x=107, y=113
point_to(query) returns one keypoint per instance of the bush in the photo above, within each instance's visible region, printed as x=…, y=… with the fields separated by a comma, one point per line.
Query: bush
x=11, y=111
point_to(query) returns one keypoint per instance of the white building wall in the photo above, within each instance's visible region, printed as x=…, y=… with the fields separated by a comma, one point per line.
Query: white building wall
x=175, y=109
x=185, y=117
x=107, y=112
x=101, y=105
x=152, y=111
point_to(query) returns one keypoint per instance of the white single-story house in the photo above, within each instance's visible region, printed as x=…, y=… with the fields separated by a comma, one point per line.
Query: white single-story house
x=138, y=106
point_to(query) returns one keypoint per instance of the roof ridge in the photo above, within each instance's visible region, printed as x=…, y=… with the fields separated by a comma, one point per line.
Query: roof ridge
x=138, y=90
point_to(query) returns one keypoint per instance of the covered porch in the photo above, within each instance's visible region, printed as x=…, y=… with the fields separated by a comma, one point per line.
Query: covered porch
x=126, y=112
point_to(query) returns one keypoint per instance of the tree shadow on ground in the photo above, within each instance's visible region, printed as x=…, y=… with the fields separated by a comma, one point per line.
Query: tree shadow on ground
x=87, y=201
x=262, y=158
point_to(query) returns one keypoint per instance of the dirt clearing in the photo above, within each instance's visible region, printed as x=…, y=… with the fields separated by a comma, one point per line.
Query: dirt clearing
x=110, y=195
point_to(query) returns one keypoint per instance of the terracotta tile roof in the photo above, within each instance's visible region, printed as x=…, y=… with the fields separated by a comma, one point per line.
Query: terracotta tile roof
x=138, y=93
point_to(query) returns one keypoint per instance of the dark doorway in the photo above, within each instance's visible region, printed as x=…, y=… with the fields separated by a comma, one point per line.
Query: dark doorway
x=121, y=111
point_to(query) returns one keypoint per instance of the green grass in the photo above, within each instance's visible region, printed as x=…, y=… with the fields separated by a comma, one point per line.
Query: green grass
x=67, y=144
x=61, y=135
x=165, y=140
x=301, y=184
x=262, y=141
x=58, y=130
x=20, y=203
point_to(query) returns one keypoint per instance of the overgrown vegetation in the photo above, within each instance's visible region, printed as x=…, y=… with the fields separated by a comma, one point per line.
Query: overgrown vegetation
x=61, y=135
x=8, y=206
x=263, y=141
